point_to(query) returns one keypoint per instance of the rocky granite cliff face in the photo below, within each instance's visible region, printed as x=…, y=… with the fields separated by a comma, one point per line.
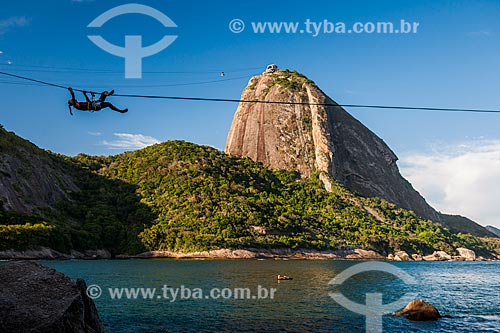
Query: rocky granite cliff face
x=29, y=176
x=310, y=138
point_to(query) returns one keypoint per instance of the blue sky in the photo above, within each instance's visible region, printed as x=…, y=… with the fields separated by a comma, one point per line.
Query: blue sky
x=452, y=61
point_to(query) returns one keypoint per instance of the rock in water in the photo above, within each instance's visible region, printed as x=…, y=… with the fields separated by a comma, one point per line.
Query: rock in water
x=466, y=254
x=402, y=256
x=363, y=254
x=437, y=256
x=419, y=310
x=35, y=298
x=307, y=137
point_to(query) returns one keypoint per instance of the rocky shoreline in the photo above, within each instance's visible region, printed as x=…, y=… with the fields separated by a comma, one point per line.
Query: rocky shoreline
x=264, y=254
x=50, y=254
x=462, y=254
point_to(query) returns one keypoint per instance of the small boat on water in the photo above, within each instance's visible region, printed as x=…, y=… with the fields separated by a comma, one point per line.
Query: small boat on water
x=284, y=277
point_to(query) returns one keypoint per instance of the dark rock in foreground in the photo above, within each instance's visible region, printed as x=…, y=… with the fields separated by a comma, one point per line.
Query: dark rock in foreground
x=35, y=298
x=419, y=310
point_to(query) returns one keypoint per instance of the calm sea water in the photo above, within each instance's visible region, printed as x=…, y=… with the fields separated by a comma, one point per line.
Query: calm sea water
x=469, y=291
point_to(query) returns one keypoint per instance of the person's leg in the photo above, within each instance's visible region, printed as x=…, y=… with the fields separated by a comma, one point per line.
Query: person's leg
x=112, y=107
x=106, y=94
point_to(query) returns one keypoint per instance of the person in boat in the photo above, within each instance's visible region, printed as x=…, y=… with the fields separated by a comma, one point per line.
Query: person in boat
x=92, y=105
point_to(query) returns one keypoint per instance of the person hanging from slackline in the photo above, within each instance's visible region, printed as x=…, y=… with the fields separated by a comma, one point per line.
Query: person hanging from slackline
x=92, y=104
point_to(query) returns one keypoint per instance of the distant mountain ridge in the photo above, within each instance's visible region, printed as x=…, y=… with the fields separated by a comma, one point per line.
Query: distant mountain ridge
x=493, y=230
x=457, y=223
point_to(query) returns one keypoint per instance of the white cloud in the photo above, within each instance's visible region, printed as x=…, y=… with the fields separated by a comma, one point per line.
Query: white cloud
x=354, y=92
x=460, y=179
x=12, y=22
x=479, y=33
x=130, y=141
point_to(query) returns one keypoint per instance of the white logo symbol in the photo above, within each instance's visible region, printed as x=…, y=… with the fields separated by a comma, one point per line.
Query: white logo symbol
x=94, y=291
x=133, y=52
x=236, y=26
x=373, y=308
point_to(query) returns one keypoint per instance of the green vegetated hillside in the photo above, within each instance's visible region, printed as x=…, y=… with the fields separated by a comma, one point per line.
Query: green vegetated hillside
x=51, y=200
x=184, y=197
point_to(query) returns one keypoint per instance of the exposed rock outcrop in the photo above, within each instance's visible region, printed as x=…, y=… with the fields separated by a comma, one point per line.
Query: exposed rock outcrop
x=416, y=257
x=309, y=137
x=29, y=176
x=250, y=253
x=437, y=256
x=364, y=254
x=401, y=256
x=419, y=310
x=47, y=253
x=466, y=254
x=35, y=298
x=40, y=253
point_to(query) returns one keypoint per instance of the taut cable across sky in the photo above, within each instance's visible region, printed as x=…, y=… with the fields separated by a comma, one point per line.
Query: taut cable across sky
x=205, y=99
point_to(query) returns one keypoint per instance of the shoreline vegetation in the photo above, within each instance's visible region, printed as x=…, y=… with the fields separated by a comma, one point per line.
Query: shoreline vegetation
x=276, y=254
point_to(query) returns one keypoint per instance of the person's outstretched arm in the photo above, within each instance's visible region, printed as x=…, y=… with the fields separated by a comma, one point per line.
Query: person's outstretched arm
x=72, y=94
